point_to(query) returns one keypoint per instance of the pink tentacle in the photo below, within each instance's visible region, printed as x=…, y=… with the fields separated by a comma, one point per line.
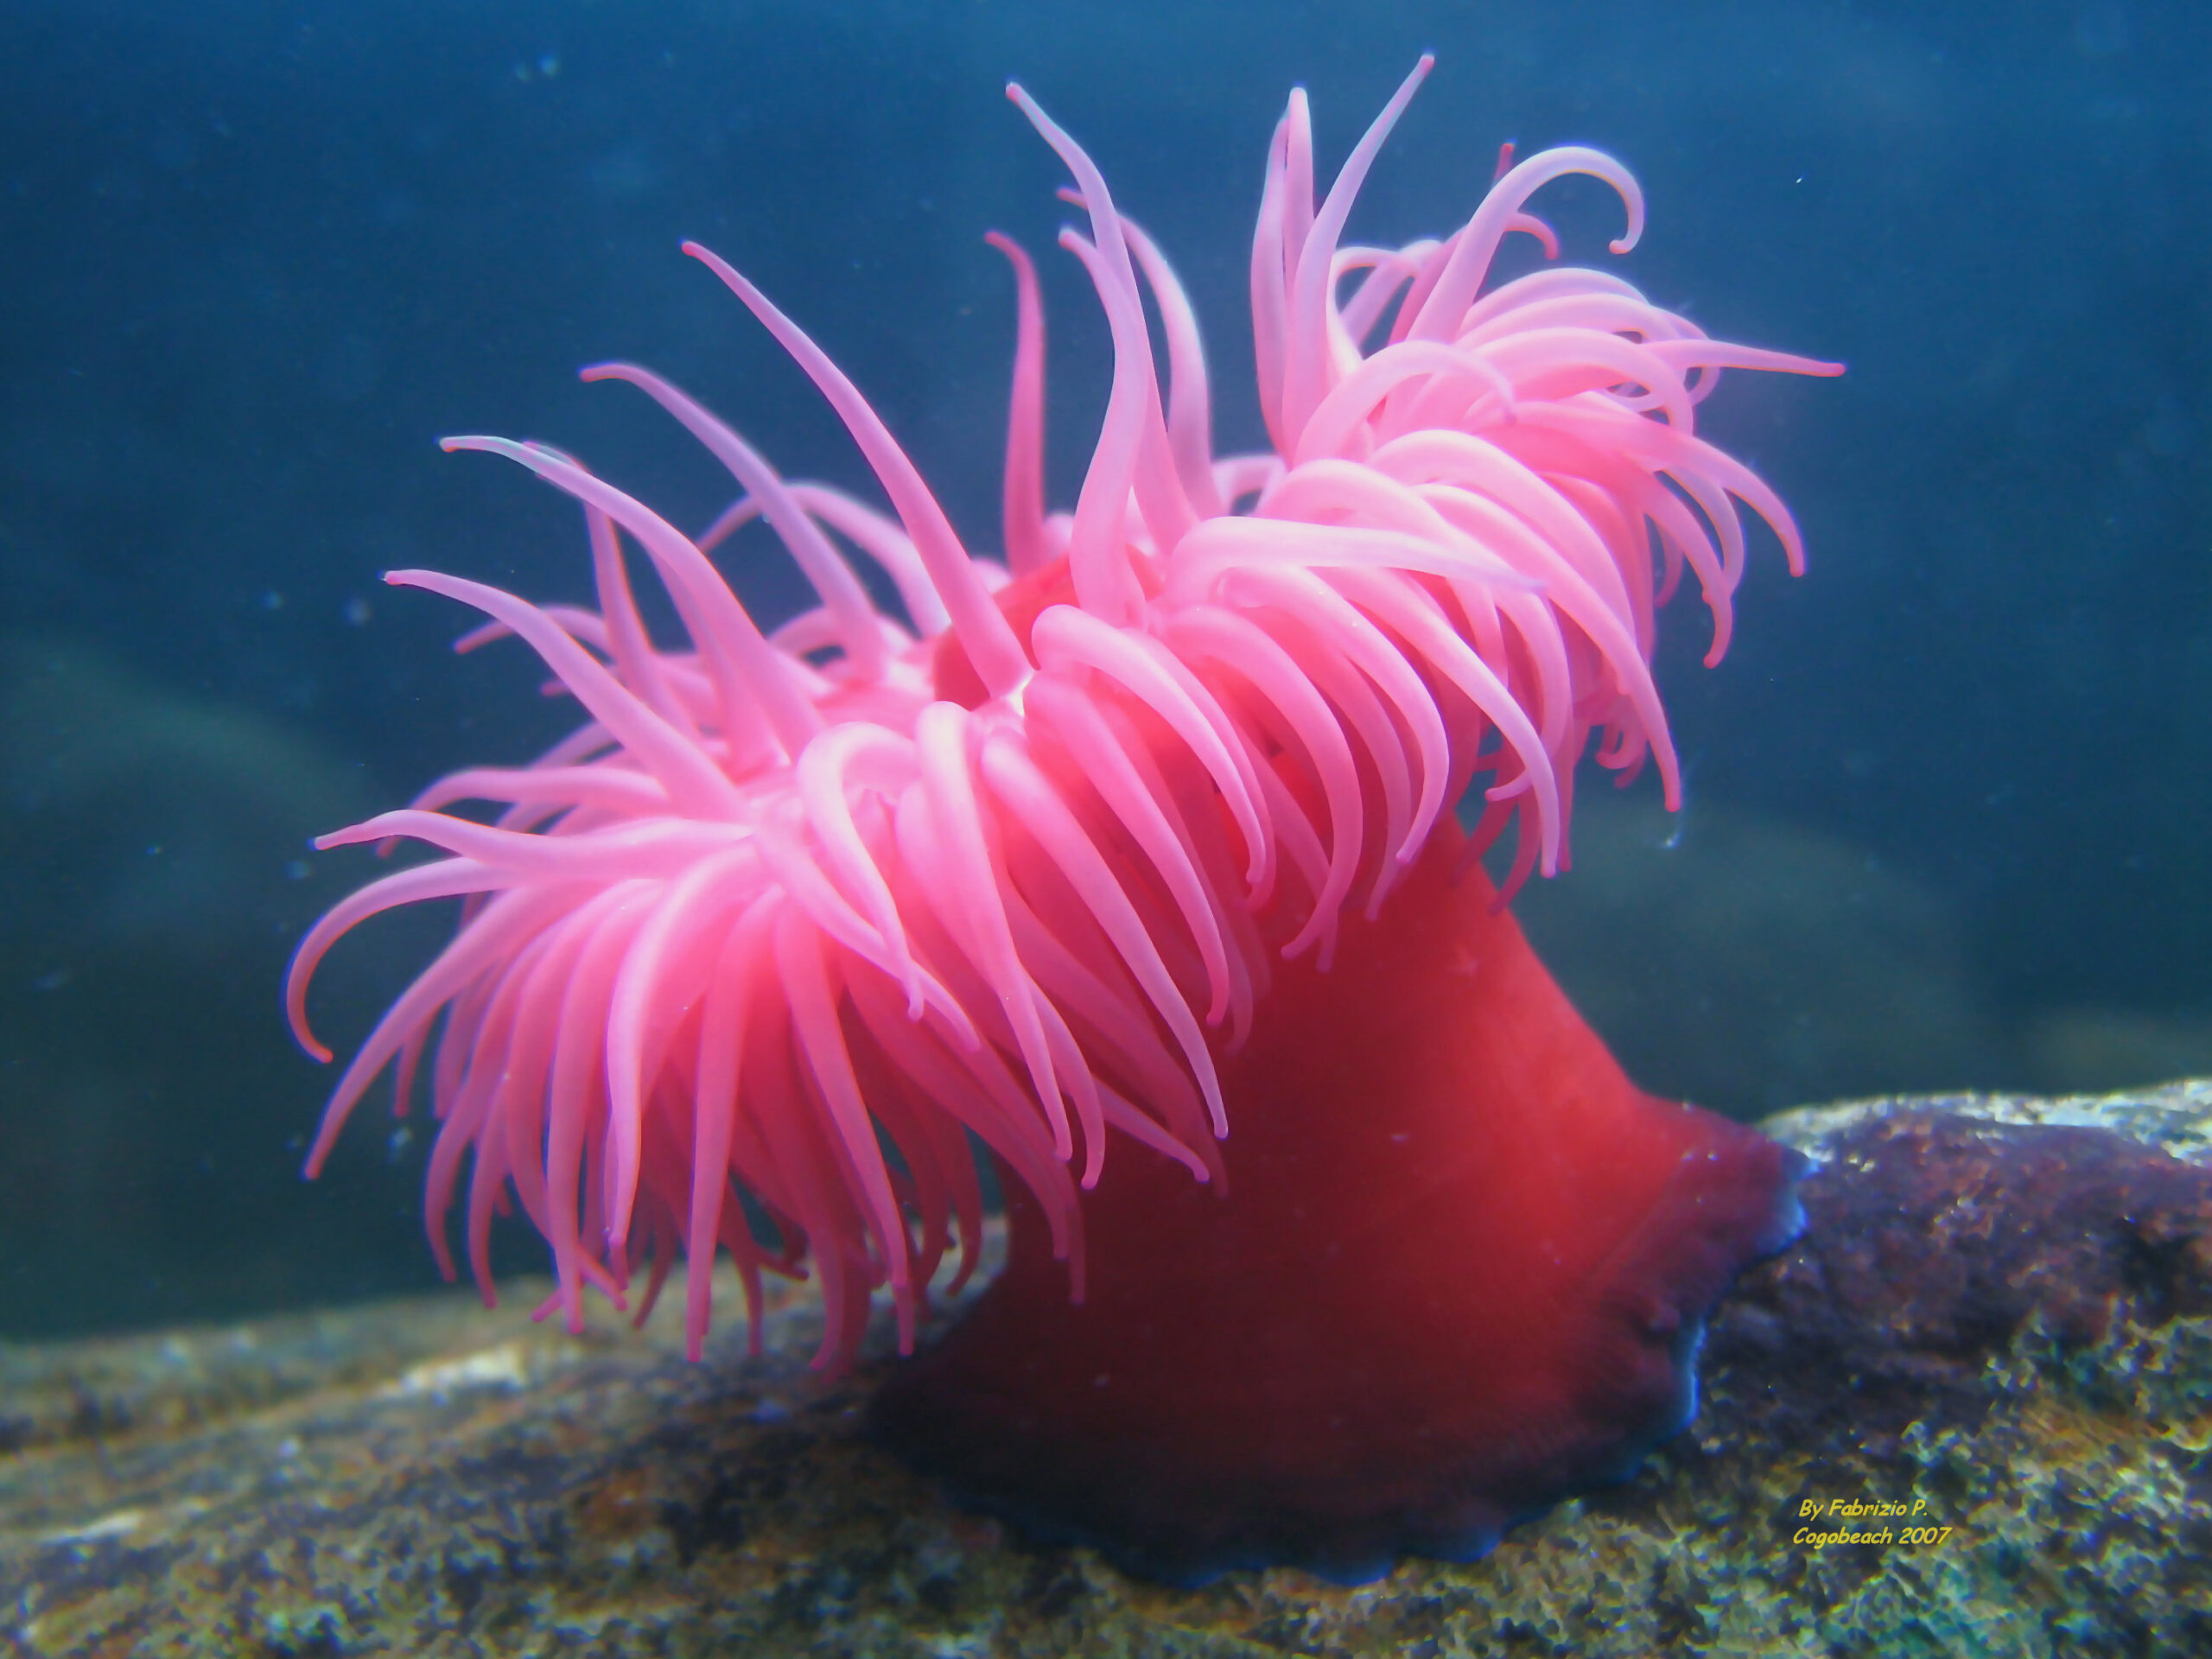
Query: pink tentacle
x=823, y=566
x=1308, y=370
x=1447, y=304
x=1098, y=558
x=1190, y=408
x=748, y=672
x=1024, y=509
x=983, y=633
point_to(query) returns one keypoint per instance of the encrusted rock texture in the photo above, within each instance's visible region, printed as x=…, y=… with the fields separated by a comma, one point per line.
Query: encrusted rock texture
x=1989, y=1359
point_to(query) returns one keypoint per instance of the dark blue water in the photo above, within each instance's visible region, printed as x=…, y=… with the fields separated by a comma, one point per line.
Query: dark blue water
x=1947, y=793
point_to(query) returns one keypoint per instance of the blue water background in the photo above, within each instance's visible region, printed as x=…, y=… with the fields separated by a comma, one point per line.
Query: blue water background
x=254, y=259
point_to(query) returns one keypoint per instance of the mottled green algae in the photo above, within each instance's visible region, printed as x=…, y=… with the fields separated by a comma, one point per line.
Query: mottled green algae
x=424, y=1478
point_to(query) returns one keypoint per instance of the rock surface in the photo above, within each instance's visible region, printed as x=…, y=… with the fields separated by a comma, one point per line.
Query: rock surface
x=1999, y=1322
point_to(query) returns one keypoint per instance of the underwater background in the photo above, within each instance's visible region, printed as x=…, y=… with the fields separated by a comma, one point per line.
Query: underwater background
x=1946, y=795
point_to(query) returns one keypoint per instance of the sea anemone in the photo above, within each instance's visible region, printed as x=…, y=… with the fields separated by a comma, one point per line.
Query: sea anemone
x=745, y=961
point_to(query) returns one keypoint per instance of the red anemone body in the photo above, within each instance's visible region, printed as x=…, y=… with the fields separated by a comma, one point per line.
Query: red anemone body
x=1459, y=1267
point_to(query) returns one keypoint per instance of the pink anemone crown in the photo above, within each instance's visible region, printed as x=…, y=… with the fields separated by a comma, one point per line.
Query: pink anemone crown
x=994, y=870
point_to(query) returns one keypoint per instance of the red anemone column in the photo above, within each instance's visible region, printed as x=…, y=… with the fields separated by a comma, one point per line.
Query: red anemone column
x=1460, y=1271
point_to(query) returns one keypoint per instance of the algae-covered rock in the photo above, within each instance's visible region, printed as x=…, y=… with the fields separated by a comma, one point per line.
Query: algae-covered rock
x=1989, y=1363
